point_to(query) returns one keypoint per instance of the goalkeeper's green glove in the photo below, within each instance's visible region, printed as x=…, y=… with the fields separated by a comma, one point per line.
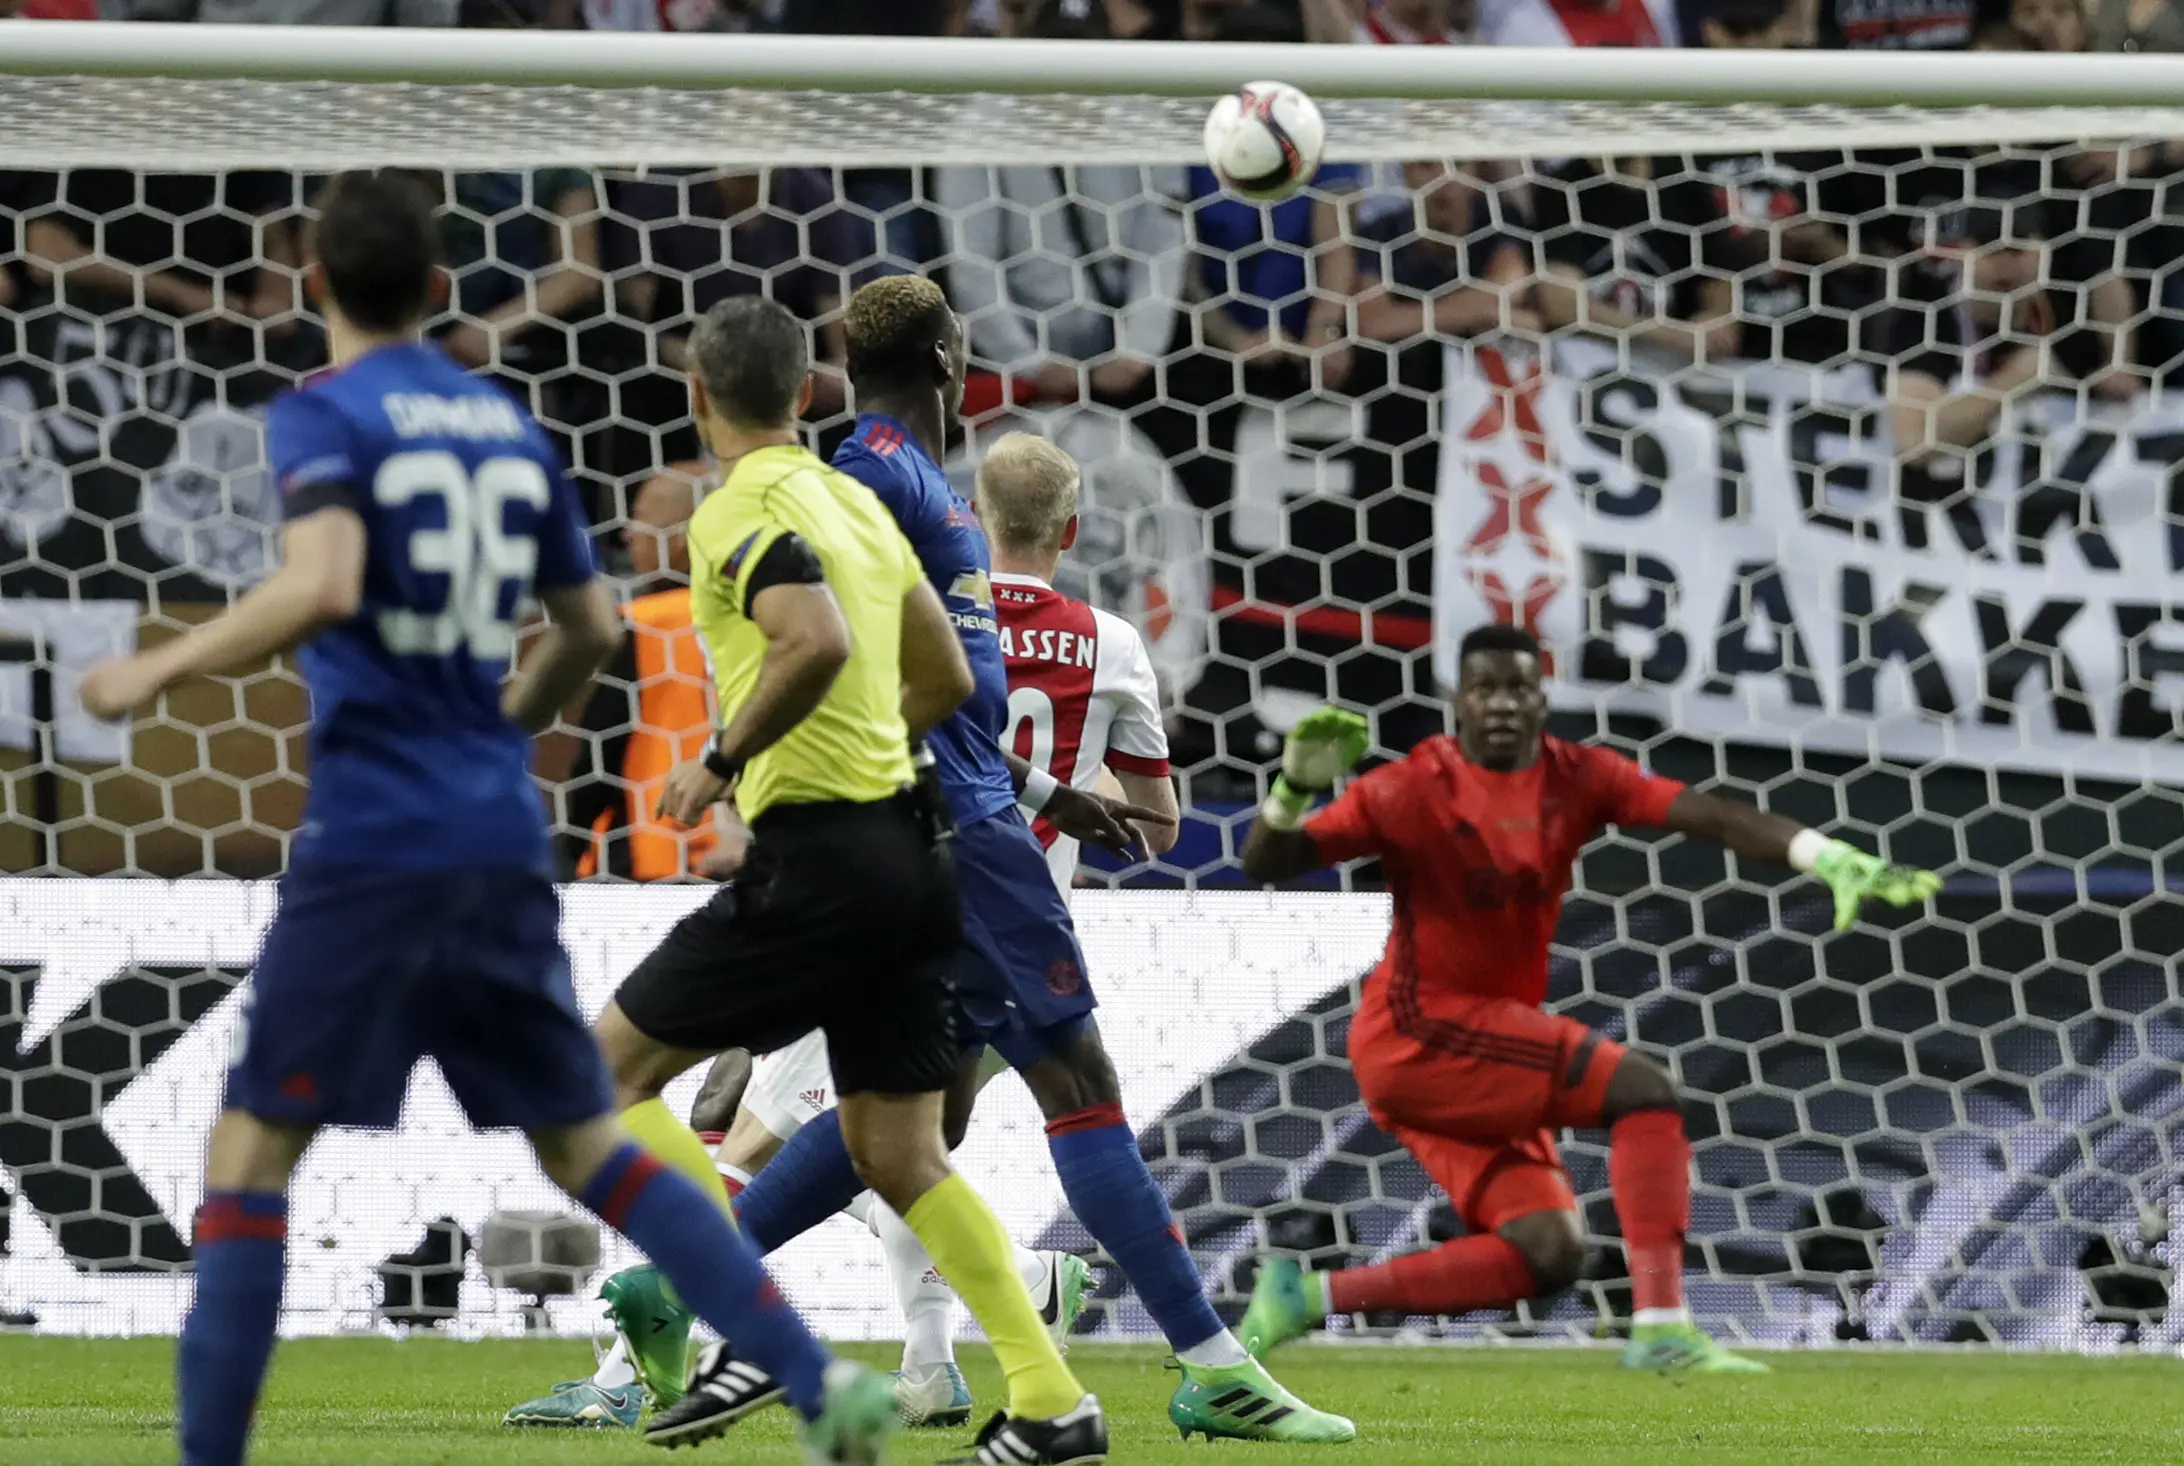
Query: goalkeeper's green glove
x=1325, y=745
x=1856, y=877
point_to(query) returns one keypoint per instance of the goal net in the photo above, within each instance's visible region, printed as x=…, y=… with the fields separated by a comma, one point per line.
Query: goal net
x=1818, y=412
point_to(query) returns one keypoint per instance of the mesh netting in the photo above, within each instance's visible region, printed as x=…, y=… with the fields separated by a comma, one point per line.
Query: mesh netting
x=1843, y=478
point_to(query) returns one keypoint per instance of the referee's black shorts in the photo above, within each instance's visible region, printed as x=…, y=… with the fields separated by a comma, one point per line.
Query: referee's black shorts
x=843, y=918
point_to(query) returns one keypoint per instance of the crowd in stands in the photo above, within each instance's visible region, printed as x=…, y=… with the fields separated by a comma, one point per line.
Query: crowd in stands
x=1953, y=279
x=1077, y=284
x=1937, y=25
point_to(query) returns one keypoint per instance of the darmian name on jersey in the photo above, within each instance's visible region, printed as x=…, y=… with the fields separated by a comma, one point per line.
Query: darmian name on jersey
x=1042, y=644
x=480, y=418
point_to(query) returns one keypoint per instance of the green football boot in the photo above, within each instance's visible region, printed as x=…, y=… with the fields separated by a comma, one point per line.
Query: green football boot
x=855, y=1420
x=655, y=1328
x=1286, y=1303
x=1243, y=1402
x=1069, y=1278
x=580, y=1404
x=1679, y=1348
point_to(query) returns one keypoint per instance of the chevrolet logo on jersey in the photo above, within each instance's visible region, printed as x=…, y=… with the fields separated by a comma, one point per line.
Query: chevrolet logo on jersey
x=975, y=587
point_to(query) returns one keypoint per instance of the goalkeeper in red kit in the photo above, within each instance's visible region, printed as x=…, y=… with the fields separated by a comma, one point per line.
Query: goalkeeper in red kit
x=1477, y=835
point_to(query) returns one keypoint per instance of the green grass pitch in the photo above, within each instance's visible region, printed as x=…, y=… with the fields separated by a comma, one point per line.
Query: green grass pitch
x=431, y=1402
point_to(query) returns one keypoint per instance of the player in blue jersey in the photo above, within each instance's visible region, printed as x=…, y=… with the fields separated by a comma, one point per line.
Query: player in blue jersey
x=417, y=918
x=1020, y=976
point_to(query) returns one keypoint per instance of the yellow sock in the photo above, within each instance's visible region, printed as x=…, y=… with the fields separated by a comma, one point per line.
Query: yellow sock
x=975, y=1256
x=654, y=1126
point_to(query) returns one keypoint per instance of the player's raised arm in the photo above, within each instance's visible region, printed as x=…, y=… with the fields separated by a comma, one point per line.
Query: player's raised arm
x=1323, y=747
x=1854, y=876
x=936, y=676
x=318, y=584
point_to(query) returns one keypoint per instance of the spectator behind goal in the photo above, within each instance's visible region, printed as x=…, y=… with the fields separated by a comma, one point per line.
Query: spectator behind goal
x=1992, y=310
x=1272, y=283
x=188, y=245
x=1068, y=279
x=287, y=12
x=651, y=709
x=1769, y=254
x=680, y=242
x=1608, y=266
x=1897, y=25
x=1577, y=23
x=1415, y=23
x=1443, y=267
x=523, y=251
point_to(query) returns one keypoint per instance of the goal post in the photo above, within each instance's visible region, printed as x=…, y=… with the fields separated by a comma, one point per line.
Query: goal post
x=1819, y=411
x=674, y=99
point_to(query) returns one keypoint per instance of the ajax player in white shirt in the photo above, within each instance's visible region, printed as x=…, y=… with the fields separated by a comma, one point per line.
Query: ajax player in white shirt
x=1083, y=708
x=1082, y=695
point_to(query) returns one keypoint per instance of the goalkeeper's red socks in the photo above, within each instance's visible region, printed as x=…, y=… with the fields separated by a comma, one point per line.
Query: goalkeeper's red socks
x=1649, y=1172
x=1469, y=1273
x=240, y=1243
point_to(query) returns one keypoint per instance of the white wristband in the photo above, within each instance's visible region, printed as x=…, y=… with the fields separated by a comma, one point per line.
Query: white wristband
x=1806, y=848
x=1040, y=787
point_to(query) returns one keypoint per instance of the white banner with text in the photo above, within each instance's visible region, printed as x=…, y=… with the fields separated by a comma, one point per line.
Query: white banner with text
x=1735, y=554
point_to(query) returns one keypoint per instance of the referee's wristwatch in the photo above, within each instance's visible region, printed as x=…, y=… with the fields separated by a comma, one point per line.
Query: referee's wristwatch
x=719, y=764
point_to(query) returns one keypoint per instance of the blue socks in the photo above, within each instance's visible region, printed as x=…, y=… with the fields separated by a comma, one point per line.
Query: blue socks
x=712, y=1266
x=809, y=1180
x=241, y=1246
x=1116, y=1198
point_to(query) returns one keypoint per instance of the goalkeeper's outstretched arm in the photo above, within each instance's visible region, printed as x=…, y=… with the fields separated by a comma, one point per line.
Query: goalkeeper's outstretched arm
x=1324, y=746
x=1272, y=854
x=1854, y=876
x=1750, y=831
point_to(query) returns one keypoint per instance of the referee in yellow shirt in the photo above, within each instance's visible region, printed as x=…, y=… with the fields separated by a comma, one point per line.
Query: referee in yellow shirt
x=833, y=656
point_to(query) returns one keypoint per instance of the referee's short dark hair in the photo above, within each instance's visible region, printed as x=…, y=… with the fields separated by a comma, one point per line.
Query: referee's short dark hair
x=752, y=356
x=893, y=327
x=1497, y=636
x=378, y=243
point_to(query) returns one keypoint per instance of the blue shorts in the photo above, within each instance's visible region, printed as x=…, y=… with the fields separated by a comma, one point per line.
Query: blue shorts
x=1020, y=978
x=366, y=971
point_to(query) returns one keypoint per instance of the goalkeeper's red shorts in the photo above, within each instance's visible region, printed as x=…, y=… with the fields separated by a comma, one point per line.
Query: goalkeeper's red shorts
x=1475, y=1089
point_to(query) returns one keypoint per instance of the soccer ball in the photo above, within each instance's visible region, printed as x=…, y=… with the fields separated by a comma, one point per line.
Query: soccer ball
x=1264, y=140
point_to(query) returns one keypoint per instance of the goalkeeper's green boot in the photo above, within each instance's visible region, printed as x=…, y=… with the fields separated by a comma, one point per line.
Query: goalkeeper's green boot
x=655, y=1328
x=1679, y=1348
x=1243, y=1402
x=1284, y=1306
